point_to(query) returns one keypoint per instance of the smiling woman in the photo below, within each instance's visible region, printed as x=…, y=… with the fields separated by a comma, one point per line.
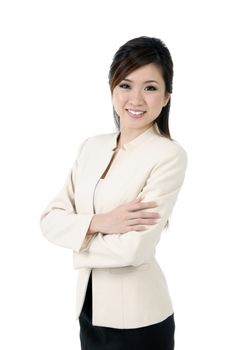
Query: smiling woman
x=115, y=203
x=140, y=79
x=139, y=100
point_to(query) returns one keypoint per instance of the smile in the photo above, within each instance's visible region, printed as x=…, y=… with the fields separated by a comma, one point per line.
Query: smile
x=135, y=114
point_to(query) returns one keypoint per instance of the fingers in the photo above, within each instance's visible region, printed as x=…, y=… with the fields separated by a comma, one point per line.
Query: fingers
x=137, y=205
x=138, y=199
x=137, y=228
x=144, y=215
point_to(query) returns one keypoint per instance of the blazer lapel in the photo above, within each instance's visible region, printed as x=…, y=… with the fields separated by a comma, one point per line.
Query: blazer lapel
x=95, y=165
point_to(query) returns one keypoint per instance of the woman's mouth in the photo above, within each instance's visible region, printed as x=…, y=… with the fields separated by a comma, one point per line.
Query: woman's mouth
x=135, y=114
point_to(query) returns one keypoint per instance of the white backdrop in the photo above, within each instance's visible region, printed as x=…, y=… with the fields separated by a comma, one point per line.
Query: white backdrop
x=55, y=57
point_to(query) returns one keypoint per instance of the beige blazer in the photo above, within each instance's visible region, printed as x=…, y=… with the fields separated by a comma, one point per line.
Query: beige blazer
x=129, y=287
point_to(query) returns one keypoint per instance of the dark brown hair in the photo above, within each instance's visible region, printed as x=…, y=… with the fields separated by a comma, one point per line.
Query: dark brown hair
x=136, y=53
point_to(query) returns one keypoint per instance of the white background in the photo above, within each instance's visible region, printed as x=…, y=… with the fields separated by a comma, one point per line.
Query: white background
x=55, y=57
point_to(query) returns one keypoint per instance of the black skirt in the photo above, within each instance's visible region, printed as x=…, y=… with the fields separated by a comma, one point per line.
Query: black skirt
x=159, y=336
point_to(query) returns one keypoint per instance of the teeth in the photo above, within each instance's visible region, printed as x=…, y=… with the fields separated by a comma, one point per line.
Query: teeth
x=133, y=112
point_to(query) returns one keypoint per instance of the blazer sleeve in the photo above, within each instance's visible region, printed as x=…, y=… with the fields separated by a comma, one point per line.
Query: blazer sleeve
x=135, y=247
x=59, y=222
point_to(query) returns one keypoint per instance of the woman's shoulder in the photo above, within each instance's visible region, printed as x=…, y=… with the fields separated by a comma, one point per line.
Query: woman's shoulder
x=167, y=145
x=101, y=140
x=97, y=142
x=168, y=150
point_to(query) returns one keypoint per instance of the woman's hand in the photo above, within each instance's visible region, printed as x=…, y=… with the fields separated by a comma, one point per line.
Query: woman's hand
x=126, y=217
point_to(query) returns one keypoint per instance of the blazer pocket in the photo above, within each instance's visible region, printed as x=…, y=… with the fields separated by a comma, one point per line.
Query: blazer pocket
x=130, y=269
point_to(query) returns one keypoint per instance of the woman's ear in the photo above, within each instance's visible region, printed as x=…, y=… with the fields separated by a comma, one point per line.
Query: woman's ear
x=166, y=99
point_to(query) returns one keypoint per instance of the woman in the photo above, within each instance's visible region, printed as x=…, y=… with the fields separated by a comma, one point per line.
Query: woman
x=115, y=203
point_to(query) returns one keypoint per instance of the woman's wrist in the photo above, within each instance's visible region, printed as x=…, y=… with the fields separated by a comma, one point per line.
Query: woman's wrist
x=94, y=224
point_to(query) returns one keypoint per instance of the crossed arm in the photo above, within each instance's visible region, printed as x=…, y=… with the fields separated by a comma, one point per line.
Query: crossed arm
x=62, y=225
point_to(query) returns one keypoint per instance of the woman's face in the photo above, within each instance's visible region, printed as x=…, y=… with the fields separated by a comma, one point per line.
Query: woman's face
x=137, y=94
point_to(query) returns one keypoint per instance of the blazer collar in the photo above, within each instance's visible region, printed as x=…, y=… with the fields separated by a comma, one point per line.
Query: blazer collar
x=138, y=140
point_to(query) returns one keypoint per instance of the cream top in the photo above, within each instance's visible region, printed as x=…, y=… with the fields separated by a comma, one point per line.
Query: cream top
x=97, y=194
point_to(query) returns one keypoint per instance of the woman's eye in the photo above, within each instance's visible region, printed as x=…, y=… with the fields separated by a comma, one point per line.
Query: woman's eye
x=123, y=85
x=153, y=87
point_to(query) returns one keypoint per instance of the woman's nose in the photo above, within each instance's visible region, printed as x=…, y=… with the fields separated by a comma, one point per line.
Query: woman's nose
x=136, y=97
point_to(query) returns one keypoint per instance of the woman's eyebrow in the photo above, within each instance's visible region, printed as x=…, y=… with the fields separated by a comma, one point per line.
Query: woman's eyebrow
x=148, y=81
